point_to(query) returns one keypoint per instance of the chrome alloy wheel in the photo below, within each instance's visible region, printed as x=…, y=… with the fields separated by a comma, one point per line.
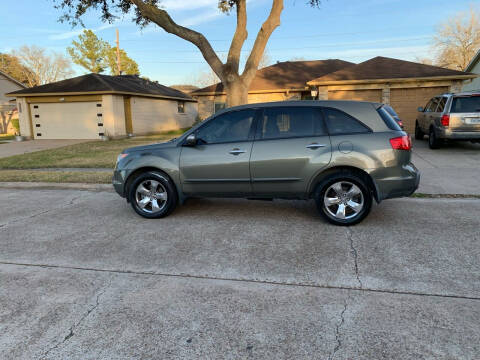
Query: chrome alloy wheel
x=151, y=196
x=343, y=200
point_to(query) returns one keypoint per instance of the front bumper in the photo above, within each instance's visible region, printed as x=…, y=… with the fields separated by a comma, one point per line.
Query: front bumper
x=118, y=182
x=404, y=184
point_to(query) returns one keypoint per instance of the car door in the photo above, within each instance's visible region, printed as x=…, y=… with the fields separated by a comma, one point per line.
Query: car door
x=430, y=113
x=291, y=145
x=219, y=164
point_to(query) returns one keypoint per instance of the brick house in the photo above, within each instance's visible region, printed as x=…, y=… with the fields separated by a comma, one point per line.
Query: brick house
x=278, y=82
x=403, y=84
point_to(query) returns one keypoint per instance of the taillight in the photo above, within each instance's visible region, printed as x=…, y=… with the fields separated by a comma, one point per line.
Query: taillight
x=445, y=120
x=400, y=122
x=401, y=143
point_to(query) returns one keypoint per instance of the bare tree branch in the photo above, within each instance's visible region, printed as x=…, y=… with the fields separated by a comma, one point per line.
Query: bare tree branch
x=162, y=19
x=272, y=22
x=241, y=34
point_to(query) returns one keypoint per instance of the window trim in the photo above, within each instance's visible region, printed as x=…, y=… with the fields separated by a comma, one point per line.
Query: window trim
x=317, y=124
x=251, y=132
x=368, y=128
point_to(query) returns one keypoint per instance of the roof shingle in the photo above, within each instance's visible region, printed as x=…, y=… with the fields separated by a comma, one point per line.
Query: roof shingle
x=286, y=75
x=105, y=84
x=386, y=68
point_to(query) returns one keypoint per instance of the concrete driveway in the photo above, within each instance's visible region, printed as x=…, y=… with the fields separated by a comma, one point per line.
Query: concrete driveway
x=452, y=169
x=83, y=277
x=23, y=147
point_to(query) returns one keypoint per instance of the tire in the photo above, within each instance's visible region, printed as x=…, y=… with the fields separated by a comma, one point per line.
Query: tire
x=338, y=186
x=433, y=141
x=152, y=195
x=419, y=134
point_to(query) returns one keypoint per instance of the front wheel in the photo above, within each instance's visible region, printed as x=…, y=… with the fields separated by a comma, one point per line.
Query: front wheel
x=152, y=195
x=343, y=198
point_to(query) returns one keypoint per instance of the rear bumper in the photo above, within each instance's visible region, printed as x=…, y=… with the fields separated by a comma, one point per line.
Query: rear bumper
x=399, y=186
x=445, y=133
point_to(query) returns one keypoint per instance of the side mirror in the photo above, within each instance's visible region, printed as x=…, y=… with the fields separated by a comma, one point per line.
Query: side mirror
x=191, y=140
x=420, y=109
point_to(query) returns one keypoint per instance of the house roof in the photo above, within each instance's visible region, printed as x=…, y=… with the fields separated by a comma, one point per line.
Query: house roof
x=473, y=62
x=12, y=79
x=285, y=75
x=382, y=68
x=104, y=84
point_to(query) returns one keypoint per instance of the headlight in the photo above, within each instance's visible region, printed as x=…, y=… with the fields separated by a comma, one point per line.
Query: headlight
x=121, y=156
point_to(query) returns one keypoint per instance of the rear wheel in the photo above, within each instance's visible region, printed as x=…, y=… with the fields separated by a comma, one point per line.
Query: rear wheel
x=419, y=134
x=343, y=198
x=433, y=141
x=153, y=195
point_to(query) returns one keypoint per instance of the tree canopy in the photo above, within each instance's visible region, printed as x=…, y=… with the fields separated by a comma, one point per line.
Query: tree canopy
x=235, y=83
x=97, y=55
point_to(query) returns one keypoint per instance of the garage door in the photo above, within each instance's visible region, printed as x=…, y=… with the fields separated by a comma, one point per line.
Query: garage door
x=359, y=95
x=75, y=120
x=406, y=102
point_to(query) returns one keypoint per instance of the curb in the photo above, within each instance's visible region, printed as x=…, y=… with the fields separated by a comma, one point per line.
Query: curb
x=57, y=186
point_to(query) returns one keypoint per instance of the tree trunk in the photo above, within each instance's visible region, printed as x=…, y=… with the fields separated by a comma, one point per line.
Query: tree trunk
x=237, y=93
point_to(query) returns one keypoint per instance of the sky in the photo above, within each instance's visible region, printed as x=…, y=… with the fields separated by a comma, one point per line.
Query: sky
x=351, y=30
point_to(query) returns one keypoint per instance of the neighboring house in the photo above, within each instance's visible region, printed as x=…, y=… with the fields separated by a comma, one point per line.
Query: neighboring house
x=403, y=84
x=473, y=67
x=187, y=89
x=282, y=81
x=92, y=105
x=7, y=107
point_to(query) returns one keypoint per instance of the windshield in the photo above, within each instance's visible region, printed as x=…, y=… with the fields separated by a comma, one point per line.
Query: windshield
x=466, y=104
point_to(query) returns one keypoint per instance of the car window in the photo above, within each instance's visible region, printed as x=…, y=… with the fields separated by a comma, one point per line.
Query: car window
x=390, y=110
x=465, y=104
x=387, y=117
x=441, y=104
x=339, y=122
x=432, y=105
x=229, y=127
x=285, y=122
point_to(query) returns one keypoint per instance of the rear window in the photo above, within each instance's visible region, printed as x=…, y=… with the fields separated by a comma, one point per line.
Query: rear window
x=388, y=119
x=465, y=104
x=339, y=122
x=390, y=110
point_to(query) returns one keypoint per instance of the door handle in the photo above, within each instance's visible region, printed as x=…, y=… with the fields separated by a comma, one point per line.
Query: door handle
x=315, y=146
x=236, y=151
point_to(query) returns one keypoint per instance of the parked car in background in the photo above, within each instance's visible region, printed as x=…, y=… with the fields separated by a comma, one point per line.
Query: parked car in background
x=394, y=114
x=340, y=153
x=449, y=117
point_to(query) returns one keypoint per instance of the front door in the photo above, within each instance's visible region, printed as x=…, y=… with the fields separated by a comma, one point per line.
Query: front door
x=219, y=164
x=291, y=146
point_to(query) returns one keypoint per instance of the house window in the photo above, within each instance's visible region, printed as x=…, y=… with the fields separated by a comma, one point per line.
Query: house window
x=181, y=107
x=220, y=106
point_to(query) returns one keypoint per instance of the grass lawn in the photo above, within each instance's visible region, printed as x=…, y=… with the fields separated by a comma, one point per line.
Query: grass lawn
x=92, y=154
x=92, y=177
x=6, y=137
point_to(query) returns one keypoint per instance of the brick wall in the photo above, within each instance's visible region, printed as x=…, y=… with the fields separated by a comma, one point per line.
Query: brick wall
x=406, y=101
x=359, y=95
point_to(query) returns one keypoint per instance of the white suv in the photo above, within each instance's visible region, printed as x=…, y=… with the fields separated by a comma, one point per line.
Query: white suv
x=450, y=116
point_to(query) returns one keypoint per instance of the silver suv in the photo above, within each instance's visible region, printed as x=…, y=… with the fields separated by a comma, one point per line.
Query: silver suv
x=342, y=154
x=449, y=116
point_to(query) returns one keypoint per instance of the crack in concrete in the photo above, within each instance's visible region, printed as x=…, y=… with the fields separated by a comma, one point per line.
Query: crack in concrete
x=337, y=332
x=70, y=203
x=354, y=252
x=71, y=331
x=253, y=281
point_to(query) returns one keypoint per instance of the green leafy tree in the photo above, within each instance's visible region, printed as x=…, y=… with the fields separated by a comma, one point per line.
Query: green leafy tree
x=89, y=52
x=236, y=83
x=128, y=66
